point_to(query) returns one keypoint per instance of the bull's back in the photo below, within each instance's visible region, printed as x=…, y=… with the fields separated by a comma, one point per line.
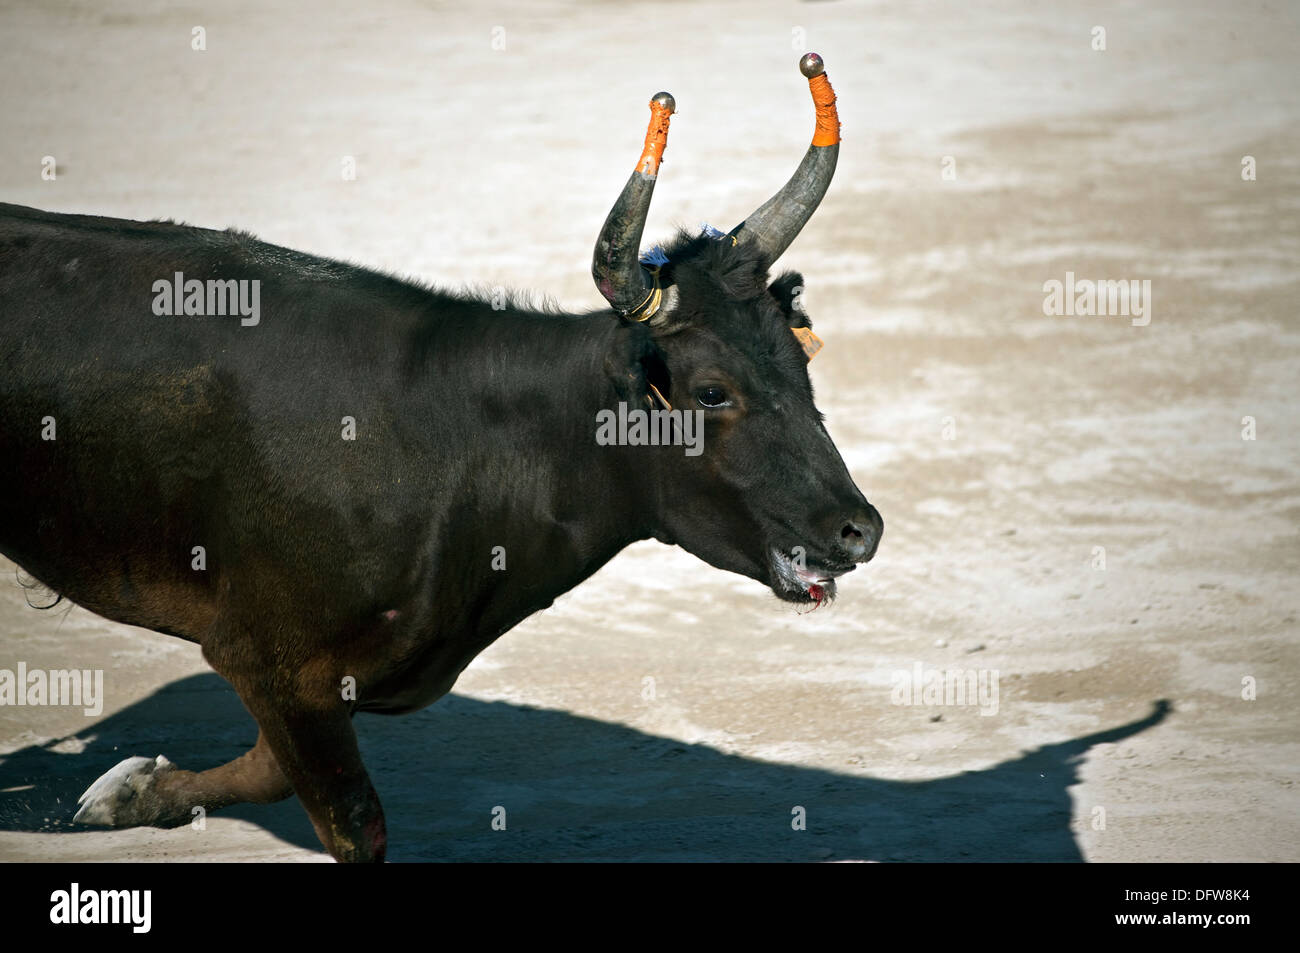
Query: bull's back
x=146, y=456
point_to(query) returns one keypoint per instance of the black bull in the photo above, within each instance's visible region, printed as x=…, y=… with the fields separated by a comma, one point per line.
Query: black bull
x=346, y=492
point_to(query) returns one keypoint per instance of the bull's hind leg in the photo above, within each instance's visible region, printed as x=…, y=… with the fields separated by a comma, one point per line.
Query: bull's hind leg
x=149, y=792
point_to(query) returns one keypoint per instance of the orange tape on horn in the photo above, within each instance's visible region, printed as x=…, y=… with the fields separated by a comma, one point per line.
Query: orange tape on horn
x=828, y=119
x=656, y=138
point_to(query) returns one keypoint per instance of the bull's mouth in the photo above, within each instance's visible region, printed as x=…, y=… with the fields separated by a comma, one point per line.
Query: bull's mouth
x=804, y=583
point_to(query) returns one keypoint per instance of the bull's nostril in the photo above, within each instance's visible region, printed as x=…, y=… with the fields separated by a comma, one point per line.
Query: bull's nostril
x=858, y=537
x=854, y=541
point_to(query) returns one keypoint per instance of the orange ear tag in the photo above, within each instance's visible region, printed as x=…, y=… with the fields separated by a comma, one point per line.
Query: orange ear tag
x=810, y=342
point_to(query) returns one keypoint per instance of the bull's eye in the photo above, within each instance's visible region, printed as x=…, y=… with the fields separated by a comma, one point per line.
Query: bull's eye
x=712, y=397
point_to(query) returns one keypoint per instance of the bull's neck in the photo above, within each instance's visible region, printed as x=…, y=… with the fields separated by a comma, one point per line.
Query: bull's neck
x=543, y=502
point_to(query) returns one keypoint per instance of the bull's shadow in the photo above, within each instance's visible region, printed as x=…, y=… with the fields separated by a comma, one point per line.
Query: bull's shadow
x=573, y=788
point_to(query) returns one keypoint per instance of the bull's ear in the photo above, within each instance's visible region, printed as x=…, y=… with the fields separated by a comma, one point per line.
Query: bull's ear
x=787, y=290
x=634, y=363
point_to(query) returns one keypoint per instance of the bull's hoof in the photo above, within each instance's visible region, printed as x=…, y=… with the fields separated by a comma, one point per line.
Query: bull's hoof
x=128, y=796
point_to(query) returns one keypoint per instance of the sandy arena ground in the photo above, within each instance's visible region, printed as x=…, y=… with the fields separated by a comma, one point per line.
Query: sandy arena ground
x=1002, y=446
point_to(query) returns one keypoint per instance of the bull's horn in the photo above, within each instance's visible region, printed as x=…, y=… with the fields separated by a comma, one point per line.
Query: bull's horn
x=779, y=220
x=626, y=284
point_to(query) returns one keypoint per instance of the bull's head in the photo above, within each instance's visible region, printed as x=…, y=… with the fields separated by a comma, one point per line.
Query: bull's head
x=769, y=496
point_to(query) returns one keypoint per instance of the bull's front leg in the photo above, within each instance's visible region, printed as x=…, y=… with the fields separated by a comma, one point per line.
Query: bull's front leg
x=295, y=693
x=316, y=748
x=306, y=746
x=300, y=748
x=153, y=792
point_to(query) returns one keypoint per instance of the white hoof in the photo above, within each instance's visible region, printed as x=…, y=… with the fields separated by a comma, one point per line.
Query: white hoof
x=125, y=796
